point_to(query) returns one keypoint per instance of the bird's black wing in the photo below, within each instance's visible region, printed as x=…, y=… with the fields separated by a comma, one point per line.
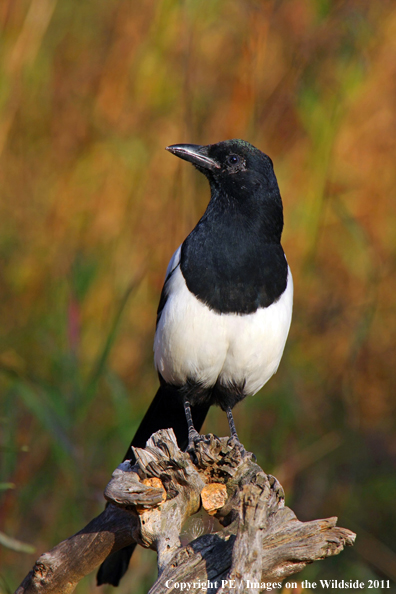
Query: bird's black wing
x=172, y=266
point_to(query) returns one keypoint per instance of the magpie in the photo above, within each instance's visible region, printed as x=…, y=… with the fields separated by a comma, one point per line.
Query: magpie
x=226, y=304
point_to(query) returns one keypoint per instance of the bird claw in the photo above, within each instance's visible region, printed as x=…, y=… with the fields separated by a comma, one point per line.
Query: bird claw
x=233, y=442
x=193, y=440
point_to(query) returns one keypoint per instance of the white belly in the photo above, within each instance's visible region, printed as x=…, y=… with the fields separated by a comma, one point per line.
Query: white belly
x=195, y=343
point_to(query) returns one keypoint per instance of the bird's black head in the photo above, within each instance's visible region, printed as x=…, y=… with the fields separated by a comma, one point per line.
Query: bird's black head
x=235, y=166
x=238, y=174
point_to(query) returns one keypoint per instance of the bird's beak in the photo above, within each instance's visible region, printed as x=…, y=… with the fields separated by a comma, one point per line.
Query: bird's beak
x=195, y=154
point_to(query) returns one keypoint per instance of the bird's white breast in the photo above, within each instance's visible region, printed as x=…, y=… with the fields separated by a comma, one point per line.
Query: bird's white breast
x=193, y=342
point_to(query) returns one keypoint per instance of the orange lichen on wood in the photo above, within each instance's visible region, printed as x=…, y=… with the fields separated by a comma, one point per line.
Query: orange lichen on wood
x=156, y=484
x=213, y=496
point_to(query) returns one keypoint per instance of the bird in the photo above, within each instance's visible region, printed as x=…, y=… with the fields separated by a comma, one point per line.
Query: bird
x=226, y=305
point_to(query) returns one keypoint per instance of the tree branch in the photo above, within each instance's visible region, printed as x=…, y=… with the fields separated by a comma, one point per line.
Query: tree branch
x=261, y=540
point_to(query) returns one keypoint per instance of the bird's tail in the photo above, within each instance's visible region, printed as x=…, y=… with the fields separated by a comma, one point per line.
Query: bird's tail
x=165, y=411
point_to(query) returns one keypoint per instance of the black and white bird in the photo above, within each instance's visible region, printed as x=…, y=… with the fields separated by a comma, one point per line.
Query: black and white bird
x=226, y=305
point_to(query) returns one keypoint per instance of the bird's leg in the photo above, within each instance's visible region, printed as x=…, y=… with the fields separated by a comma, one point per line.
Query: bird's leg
x=234, y=439
x=231, y=423
x=192, y=432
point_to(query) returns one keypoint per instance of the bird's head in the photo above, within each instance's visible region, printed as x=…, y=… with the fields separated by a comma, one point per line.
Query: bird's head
x=233, y=166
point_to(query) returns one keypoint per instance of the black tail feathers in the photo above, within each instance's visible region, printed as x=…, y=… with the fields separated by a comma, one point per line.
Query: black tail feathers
x=114, y=566
x=165, y=411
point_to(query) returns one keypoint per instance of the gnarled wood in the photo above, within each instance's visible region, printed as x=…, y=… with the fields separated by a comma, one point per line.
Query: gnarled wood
x=261, y=541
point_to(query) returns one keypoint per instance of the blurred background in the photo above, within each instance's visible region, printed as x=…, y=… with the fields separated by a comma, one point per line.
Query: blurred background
x=92, y=207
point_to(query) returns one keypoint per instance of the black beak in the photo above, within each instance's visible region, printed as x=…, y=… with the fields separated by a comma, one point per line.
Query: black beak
x=195, y=154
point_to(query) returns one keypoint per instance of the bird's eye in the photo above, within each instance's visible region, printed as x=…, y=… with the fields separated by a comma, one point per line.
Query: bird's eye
x=233, y=159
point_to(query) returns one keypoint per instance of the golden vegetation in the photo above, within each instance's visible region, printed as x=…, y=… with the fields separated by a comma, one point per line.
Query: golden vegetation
x=92, y=208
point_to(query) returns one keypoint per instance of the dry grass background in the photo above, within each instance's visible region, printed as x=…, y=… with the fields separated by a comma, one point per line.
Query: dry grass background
x=92, y=207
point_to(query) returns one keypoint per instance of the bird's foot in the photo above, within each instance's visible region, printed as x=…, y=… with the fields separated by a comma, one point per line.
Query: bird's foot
x=234, y=442
x=193, y=440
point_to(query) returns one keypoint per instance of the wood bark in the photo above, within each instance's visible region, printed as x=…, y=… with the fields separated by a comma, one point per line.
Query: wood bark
x=261, y=540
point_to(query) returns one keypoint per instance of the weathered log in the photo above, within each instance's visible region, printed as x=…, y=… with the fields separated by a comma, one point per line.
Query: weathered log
x=261, y=541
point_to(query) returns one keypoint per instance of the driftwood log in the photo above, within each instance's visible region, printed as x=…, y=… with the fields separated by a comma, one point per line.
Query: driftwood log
x=260, y=541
